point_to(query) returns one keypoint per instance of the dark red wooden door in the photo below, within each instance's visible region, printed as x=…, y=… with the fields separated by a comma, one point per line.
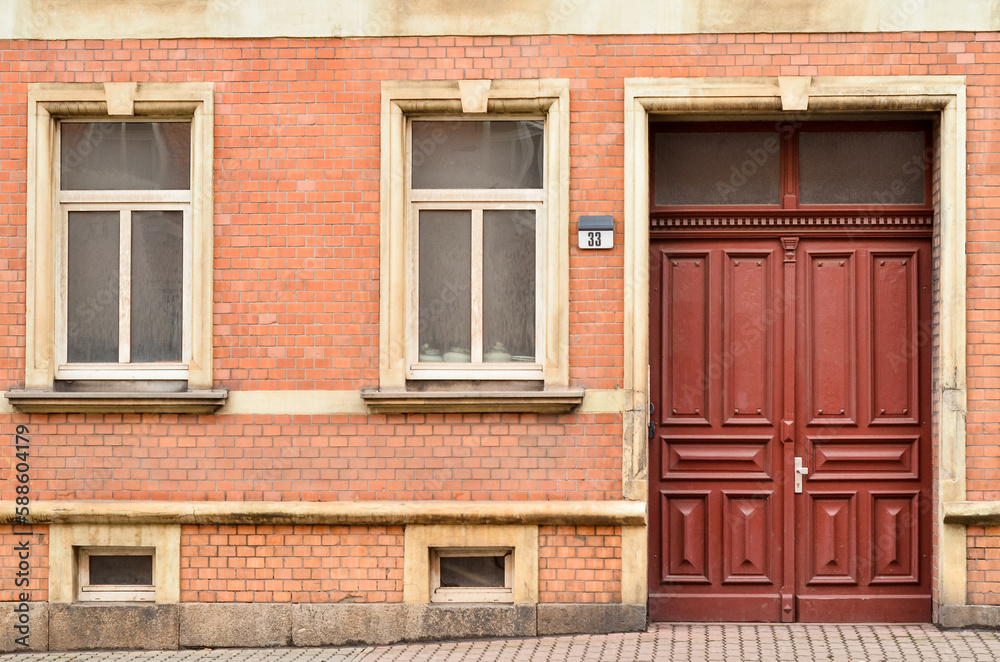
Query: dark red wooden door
x=767, y=354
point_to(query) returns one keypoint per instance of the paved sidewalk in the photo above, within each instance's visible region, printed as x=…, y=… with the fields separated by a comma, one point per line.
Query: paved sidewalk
x=766, y=643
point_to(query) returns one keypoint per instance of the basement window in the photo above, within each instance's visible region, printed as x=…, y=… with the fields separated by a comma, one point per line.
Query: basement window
x=472, y=575
x=116, y=574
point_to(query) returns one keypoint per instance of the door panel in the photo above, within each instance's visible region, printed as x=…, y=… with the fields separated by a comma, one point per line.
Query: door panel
x=830, y=342
x=881, y=458
x=748, y=522
x=896, y=549
x=686, y=278
x=716, y=550
x=685, y=550
x=895, y=332
x=830, y=546
x=718, y=458
x=748, y=336
x=865, y=324
x=739, y=393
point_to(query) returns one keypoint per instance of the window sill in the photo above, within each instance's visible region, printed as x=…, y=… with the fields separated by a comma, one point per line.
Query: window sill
x=411, y=402
x=30, y=401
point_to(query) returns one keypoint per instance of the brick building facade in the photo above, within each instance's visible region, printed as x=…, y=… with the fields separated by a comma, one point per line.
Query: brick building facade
x=299, y=471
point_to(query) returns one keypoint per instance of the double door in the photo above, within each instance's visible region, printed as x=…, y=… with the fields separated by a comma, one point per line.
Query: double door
x=790, y=463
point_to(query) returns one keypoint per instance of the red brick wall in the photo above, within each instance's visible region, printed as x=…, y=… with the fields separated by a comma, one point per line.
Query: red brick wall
x=263, y=563
x=323, y=458
x=984, y=565
x=259, y=563
x=37, y=573
x=296, y=260
x=580, y=564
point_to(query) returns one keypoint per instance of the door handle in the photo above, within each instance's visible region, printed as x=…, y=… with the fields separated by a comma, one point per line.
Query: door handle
x=800, y=471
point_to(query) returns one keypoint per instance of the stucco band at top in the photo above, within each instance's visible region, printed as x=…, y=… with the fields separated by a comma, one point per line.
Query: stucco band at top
x=163, y=19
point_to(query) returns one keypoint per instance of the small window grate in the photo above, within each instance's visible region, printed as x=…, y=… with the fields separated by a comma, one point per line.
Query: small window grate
x=121, y=570
x=473, y=571
x=472, y=574
x=116, y=574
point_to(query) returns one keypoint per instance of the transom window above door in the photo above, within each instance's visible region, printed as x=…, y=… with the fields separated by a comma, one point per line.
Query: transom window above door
x=767, y=167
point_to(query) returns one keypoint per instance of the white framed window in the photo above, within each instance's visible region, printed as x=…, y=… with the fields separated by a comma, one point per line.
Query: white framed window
x=474, y=252
x=477, y=249
x=116, y=574
x=470, y=563
x=74, y=575
x=124, y=250
x=118, y=311
x=472, y=574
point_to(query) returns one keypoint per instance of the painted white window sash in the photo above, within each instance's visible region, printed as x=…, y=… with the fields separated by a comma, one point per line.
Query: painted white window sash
x=406, y=102
x=503, y=594
x=114, y=592
x=51, y=105
x=476, y=201
x=123, y=202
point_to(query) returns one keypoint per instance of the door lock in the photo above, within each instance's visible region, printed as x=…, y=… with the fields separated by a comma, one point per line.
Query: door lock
x=800, y=471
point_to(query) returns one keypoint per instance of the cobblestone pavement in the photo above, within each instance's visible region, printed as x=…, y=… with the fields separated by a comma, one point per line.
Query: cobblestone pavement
x=767, y=643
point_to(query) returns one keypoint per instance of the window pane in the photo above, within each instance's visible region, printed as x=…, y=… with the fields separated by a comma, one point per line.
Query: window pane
x=725, y=168
x=492, y=154
x=92, y=287
x=445, y=310
x=509, y=285
x=157, y=285
x=131, y=570
x=862, y=167
x=125, y=155
x=472, y=571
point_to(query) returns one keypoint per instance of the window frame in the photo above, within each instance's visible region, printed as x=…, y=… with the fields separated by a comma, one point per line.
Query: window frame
x=453, y=594
x=924, y=125
x=406, y=101
x=124, y=202
x=420, y=539
x=788, y=133
x=50, y=104
x=88, y=592
x=466, y=200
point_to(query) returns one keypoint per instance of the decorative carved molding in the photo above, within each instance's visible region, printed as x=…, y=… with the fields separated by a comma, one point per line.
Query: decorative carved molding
x=789, y=244
x=923, y=221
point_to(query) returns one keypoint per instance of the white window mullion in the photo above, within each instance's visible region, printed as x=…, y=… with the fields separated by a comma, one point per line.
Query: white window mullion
x=125, y=287
x=412, y=351
x=187, y=287
x=125, y=197
x=542, y=286
x=62, y=269
x=477, y=285
x=515, y=197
